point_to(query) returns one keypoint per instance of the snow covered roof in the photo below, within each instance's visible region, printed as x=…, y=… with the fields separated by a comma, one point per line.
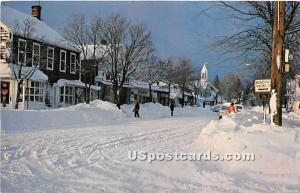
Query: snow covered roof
x=7, y=71
x=208, y=85
x=78, y=83
x=4, y=70
x=145, y=85
x=213, y=87
x=179, y=94
x=12, y=18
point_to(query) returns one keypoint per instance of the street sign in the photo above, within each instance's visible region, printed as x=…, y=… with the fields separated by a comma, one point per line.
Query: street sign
x=263, y=96
x=261, y=86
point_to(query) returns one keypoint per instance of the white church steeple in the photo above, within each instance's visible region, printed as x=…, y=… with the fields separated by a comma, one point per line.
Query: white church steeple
x=204, y=74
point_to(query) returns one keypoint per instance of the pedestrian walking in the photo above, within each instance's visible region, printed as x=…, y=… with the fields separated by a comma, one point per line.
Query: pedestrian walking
x=172, y=106
x=136, y=108
x=231, y=108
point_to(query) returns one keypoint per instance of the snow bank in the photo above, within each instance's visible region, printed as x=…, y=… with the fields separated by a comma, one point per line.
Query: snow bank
x=98, y=112
x=156, y=110
x=148, y=110
x=82, y=115
x=293, y=115
x=258, y=109
x=276, y=149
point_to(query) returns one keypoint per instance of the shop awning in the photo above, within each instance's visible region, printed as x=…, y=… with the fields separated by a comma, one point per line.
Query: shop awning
x=76, y=83
x=9, y=71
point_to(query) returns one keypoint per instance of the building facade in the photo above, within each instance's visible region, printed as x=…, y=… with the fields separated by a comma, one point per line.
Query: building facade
x=48, y=65
x=207, y=92
x=293, y=94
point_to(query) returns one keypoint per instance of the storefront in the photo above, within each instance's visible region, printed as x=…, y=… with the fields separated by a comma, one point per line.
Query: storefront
x=70, y=92
x=32, y=92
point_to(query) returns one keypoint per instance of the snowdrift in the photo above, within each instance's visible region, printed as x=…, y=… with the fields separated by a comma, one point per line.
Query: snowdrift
x=98, y=112
x=276, y=149
x=156, y=110
x=83, y=115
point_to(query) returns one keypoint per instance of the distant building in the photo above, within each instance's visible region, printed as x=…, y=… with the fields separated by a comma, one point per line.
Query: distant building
x=54, y=61
x=177, y=97
x=140, y=90
x=207, y=92
x=293, y=94
x=104, y=80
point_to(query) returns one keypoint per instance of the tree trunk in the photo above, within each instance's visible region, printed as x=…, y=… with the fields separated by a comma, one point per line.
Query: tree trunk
x=116, y=95
x=169, y=94
x=89, y=94
x=150, y=91
x=18, y=94
x=195, y=99
x=182, y=97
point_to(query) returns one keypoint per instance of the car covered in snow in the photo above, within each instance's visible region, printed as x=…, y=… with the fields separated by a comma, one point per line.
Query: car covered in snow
x=223, y=110
x=239, y=107
x=216, y=108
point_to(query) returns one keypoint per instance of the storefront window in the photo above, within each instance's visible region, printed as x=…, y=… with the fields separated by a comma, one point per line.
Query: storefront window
x=35, y=92
x=66, y=93
x=94, y=94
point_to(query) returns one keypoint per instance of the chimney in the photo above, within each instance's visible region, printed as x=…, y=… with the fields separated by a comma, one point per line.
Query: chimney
x=36, y=11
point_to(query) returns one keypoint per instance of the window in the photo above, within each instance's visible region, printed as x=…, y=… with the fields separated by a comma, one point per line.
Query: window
x=69, y=95
x=50, y=58
x=73, y=63
x=62, y=63
x=35, y=92
x=66, y=94
x=36, y=54
x=94, y=94
x=62, y=93
x=22, y=51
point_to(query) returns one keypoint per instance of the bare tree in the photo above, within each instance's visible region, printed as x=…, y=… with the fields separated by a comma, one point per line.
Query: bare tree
x=152, y=72
x=184, y=72
x=128, y=46
x=168, y=74
x=231, y=86
x=26, y=58
x=255, y=21
x=196, y=84
x=86, y=37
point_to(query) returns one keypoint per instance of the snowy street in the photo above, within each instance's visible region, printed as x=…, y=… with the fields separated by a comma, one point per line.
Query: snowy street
x=149, y=97
x=57, y=160
x=94, y=158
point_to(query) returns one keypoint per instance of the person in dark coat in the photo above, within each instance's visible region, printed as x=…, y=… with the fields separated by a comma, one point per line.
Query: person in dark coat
x=172, y=106
x=136, y=109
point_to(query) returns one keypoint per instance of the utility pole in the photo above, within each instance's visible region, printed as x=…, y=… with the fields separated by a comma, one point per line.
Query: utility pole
x=277, y=58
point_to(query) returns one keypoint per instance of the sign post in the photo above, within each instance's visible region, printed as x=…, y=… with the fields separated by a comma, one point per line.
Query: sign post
x=263, y=88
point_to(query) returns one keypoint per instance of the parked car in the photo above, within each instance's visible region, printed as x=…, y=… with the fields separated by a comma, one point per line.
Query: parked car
x=216, y=108
x=222, y=111
x=239, y=107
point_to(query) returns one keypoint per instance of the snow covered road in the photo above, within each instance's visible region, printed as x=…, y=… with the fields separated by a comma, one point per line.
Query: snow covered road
x=95, y=159
x=55, y=157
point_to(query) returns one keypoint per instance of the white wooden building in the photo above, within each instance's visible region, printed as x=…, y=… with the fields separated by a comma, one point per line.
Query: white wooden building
x=207, y=92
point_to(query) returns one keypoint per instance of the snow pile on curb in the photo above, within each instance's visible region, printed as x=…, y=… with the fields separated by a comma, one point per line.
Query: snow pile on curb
x=276, y=149
x=156, y=110
x=148, y=110
x=293, y=116
x=98, y=112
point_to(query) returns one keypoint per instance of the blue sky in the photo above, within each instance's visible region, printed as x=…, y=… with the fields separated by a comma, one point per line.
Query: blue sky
x=178, y=28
